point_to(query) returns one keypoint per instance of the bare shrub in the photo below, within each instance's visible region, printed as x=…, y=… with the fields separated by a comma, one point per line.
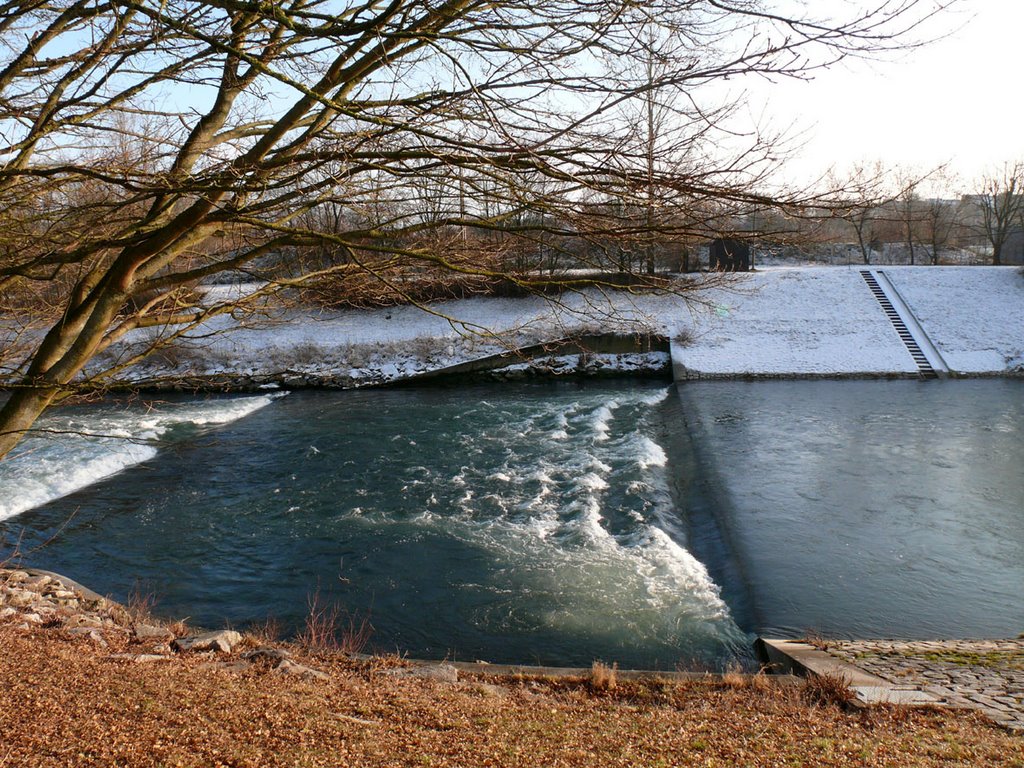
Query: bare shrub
x=267, y=632
x=179, y=628
x=332, y=629
x=301, y=354
x=425, y=347
x=603, y=677
x=140, y=604
x=684, y=337
x=828, y=690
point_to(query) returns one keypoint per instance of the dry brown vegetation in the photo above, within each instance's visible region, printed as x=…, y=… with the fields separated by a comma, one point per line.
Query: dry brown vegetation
x=65, y=702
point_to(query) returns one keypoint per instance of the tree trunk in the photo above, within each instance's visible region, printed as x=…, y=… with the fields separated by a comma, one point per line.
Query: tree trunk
x=863, y=246
x=20, y=412
x=61, y=356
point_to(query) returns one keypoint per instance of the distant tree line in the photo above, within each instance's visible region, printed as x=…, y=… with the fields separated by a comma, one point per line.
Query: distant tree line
x=927, y=214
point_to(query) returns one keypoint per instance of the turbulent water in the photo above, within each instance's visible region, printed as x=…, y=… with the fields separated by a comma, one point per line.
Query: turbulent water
x=77, y=447
x=524, y=523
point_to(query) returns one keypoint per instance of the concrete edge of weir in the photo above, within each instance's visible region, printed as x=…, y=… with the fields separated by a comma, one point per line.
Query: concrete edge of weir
x=796, y=657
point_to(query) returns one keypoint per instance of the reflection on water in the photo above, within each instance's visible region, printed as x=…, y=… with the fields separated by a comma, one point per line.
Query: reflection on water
x=870, y=508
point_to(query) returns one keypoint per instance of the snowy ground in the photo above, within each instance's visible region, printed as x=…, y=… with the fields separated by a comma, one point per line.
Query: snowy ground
x=796, y=321
x=825, y=321
x=974, y=316
x=359, y=347
x=777, y=321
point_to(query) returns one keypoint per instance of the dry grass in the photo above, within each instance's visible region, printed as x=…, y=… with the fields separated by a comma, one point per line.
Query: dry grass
x=816, y=639
x=602, y=677
x=269, y=632
x=65, y=702
x=140, y=604
x=741, y=681
x=828, y=690
x=331, y=629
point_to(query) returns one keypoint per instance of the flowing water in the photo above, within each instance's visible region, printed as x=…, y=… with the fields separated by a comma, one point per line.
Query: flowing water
x=548, y=523
x=512, y=523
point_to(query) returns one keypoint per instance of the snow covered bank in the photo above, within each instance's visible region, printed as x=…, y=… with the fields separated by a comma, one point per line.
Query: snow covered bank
x=974, y=316
x=356, y=348
x=805, y=321
x=825, y=322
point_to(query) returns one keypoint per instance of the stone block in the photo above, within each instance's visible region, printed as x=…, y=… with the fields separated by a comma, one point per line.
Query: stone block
x=287, y=667
x=442, y=673
x=36, y=583
x=20, y=598
x=222, y=641
x=151, y=632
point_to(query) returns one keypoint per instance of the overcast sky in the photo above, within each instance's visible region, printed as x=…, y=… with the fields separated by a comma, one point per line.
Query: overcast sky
x=959, y=100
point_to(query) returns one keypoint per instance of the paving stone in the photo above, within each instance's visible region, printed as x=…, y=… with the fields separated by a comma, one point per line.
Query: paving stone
x=990, y=687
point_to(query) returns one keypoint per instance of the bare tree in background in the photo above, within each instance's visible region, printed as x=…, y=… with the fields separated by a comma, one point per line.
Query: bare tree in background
x=861, y=197
x=146, y=146
x=940, y=214
x=1001, y=200
x=909, y=208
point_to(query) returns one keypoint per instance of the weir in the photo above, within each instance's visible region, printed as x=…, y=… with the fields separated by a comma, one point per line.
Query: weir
x=583, y=346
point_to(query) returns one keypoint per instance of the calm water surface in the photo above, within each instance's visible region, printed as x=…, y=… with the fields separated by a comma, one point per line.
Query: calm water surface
x=869, y=508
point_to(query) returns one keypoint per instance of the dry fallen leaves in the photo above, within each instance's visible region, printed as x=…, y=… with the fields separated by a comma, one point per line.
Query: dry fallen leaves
x=65, y=702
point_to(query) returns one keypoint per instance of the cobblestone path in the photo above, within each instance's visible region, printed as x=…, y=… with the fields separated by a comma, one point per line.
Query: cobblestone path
x=987, y=675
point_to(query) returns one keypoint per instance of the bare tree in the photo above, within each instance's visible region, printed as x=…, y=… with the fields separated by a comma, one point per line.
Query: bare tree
x=861, y=197
x=145, y=146
x=940, y=214
x=909, y=208
x=1001, y=201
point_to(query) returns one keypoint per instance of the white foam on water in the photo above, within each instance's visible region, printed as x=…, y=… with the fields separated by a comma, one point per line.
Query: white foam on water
x=49, y=467
x=49, y=475
x=666, y=566
x=658, y=397
x=592, y=482
x=589, y=522
x=602, y=419
x=580, y=530
x=649, y=453
x=644, y=584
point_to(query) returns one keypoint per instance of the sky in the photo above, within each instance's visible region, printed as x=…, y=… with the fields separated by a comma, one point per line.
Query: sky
x=957, y=100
